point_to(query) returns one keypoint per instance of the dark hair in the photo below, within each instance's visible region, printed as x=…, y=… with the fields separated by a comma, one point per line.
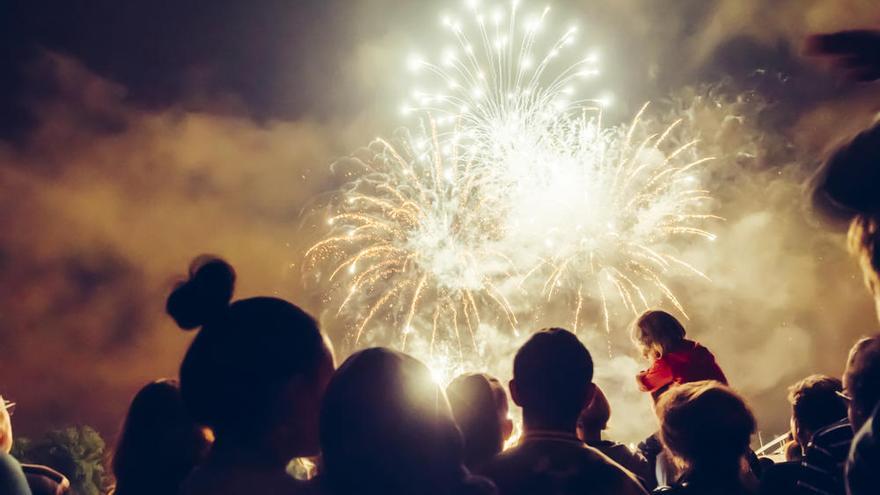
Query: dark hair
x=658, y=330
x=846, y=187
x=159, y=443
x=846, y=184
x=705, y=425
x=862, y=375
x=475, y=407
x=386, y=427
x=594, y=417
x=553, y=372
x=816, y=403
x=235, y=372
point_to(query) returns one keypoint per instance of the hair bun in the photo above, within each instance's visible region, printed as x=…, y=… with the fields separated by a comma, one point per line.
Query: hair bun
x=204, y=295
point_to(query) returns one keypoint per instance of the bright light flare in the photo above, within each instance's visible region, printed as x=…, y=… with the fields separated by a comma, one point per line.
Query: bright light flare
x=512, y=189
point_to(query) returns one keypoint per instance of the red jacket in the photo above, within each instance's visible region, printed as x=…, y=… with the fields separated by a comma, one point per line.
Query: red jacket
x=690, y=362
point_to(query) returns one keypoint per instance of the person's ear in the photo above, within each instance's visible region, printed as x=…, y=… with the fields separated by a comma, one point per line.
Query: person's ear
x=514, y=393
x=589, y=393
x=506, y=429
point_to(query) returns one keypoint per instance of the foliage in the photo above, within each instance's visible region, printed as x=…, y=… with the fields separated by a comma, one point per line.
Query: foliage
x=77, y=452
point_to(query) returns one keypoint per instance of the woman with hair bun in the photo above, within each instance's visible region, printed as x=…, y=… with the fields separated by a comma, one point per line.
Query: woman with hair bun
x=255, y=374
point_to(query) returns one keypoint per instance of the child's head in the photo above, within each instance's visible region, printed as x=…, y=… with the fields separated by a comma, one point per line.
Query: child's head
x=594, y=418
x=386, y=427
x=656, y=333
x=479, y=404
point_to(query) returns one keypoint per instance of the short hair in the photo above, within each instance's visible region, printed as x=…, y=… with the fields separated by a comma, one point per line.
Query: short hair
x=595, y=416
x=553, y=372
x=475, y=406
x=705, y=423
x=659, y=329
x=816, y=402
x=862, y=375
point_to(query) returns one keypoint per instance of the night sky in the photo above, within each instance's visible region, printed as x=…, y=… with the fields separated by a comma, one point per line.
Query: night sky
x=135, y=135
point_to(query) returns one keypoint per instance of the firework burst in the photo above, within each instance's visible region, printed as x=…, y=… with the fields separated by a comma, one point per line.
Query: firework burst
x=604, y=211
x=412, y=246
x=511, y=187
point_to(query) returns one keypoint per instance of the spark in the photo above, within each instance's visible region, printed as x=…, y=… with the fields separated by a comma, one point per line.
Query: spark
x=511, y=185
x=411, y=239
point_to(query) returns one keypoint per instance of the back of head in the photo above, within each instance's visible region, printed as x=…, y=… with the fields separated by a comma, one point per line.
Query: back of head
x=552, y=377
x=706, y=426
x=237, y=371
x=474, y=405
x=815, y=404
x=386, y=427
x=594, y=418
x=862, y=378
x=159, y=443
x=658, y=332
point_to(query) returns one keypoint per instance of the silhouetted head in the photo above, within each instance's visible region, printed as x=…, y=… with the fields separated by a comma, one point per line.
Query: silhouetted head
x=552, y=379
x=593, y=419
x=256, y=371
x=706, y=426
x=159, y=443
x=386, y=427
x=479, y=405
x=657, y=333
x=847, y=187
x=861, y=380
x=815, y=404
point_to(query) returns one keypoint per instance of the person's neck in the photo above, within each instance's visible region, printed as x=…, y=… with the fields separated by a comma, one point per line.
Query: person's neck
x=532, y=425
x=712, y=472
x=246, y=452
x=592, y=437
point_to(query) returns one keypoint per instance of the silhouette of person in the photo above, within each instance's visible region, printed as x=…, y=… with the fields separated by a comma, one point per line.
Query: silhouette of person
x=552, y=383
x=846, y=187
x=707, y=428
x=592, y=421
x=479, y=404
x=159, y=443
x=386, y=428
x=255, y=374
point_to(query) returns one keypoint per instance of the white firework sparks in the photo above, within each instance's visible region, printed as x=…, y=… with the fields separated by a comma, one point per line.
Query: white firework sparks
x=412, y=245
x=515, y=188
x=603, y=213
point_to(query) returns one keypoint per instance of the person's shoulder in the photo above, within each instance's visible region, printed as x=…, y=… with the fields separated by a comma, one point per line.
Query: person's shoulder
x=502, y=461
x=831, y=440
x=840, y=428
